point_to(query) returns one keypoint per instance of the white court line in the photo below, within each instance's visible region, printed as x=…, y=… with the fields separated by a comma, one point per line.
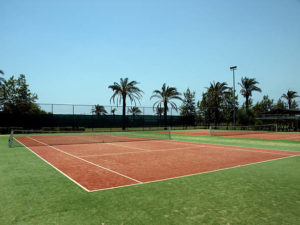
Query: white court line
x=228, y=147
x=130, y=178
x=54, y=167
x=241, y=148
x=149, y=150
x=194, y=174
x=246, y=150
x=124, y=153
x=192, y=143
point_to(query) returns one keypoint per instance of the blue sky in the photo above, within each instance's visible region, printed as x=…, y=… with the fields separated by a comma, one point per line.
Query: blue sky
x=71, y=51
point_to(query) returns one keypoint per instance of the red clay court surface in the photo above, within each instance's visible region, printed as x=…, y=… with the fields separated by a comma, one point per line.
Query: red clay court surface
x=262, y=135
x=102, y=166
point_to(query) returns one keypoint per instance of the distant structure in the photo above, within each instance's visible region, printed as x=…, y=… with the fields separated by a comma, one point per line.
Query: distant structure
x=285, y=119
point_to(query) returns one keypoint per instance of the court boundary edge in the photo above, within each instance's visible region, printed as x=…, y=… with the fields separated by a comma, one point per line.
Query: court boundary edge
x=194, y=174
x=148, y=182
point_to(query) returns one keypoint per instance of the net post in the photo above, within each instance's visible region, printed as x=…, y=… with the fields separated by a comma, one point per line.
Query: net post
x=11, y=137
x=170, y=137
x=102, y=137
x=210, y=131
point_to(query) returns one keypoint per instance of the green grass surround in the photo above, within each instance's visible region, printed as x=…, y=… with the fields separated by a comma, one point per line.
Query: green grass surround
x=32, y=192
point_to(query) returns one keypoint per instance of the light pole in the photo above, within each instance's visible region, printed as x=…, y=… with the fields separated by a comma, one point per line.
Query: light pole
x=233, y=68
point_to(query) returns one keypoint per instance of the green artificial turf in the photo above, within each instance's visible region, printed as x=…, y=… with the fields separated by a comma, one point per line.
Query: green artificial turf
x=243, y=142
x=32, y=192
x=286, y=145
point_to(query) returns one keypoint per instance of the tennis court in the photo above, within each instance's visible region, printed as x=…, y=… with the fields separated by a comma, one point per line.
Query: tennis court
x=123, y=161
x=244, y=134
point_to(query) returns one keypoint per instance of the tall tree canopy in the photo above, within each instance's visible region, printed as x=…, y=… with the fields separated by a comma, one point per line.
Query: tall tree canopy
x=290, y=96
x=166, y=96
x=248, y=85
x=188, y=107
x=216, y=93
x=228, y=105
x=265, y=105
x=123, y=90
x=16, y=96
x=216, y=104
x=205, y=109
x=280, y=104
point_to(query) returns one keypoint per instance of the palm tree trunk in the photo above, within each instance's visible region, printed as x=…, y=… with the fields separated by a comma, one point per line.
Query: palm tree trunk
x=247, y=102
x=165, y=115
x=124, y=113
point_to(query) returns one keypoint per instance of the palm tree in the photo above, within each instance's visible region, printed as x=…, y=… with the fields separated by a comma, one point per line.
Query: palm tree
x=113, y=111
x=122, y=90
x=216, y=93
x=289, y=96
x=159, y=111
x=248, y=85
x=99, y=110
x=165, y=97
x=134, y=110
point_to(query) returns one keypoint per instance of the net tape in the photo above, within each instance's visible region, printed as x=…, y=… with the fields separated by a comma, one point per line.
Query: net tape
x=242, y=130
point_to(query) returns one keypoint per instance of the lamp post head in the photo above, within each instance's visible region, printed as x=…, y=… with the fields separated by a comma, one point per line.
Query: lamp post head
x=233, y=68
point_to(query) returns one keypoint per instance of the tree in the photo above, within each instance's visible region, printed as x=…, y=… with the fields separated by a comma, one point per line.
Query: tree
x=159, y=111
x=216, y=93
x=228, y=104
x=248, y=85
x=113, y=111
x=134, y=110
x=16, y=97
x=205, y=108
x=99, y=110
x=165, y=97
x=245, y=117
x=123, y=90
x=280, y=104
x=265, y=105
x=188, y=108
x=289, y=96
x=294, y=105
x=1, y=78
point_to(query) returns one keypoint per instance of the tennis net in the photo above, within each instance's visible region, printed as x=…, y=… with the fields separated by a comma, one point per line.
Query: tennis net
x=45, y=138
x=241, y=130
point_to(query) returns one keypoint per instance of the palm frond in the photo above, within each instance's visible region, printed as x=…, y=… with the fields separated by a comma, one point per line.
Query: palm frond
x=123, y=89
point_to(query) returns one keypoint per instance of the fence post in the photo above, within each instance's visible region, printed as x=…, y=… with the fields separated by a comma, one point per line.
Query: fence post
x=11, y=137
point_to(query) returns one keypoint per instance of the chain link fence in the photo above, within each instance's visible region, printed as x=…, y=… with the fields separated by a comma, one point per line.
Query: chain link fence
x=72, y=109
x=85, y=117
